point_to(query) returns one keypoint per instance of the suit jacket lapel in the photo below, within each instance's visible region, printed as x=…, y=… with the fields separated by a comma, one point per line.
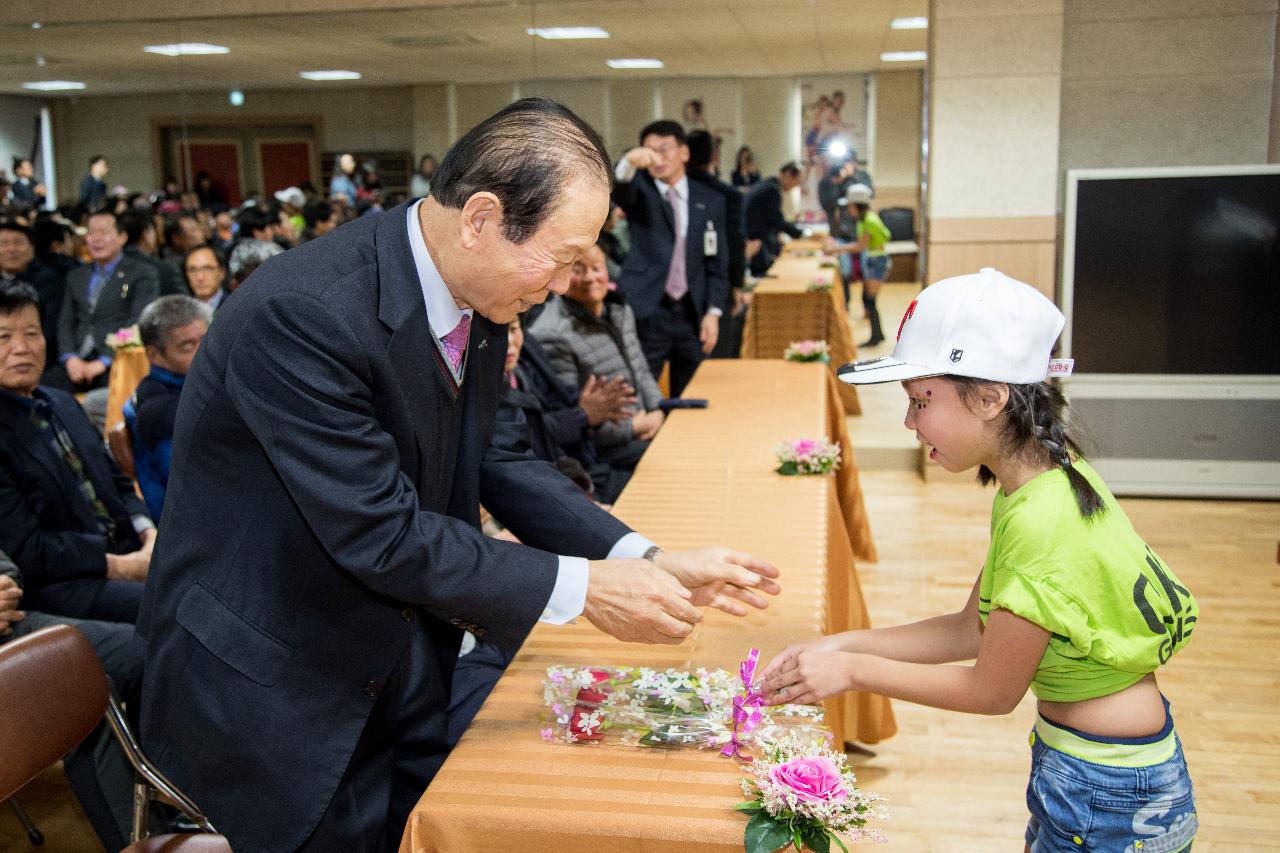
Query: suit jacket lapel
x=29, y=440
x=667, y=215
x=697, y=225
x=402, y=310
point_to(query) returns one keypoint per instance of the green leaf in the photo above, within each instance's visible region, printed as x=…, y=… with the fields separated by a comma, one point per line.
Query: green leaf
x=837, y=840
x=749, y=806
x=817, y=840
x=789, y=469
x=764, y=834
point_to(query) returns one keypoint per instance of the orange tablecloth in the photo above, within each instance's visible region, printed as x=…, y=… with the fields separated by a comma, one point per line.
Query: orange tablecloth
x=128, y=368
x=784, y=309
x=706, y=479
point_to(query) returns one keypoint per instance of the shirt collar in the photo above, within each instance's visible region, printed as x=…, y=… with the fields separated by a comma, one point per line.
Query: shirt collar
x=442, y=312
x=167, y=377
x=682, y=185
x=22, y=404
x=108, y=268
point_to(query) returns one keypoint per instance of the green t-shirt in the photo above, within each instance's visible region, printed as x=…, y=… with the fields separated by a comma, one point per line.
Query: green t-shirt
x=877, y=232
x=1115, y=611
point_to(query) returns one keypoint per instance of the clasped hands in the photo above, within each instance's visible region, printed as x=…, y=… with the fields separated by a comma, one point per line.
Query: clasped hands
x=643, y=602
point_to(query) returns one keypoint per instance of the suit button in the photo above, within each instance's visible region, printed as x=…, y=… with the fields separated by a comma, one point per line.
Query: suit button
x=479, y=632
x=371, y=689
x=408, y=614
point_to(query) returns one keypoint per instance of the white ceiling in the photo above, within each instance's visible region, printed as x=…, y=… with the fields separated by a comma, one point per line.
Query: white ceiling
x=432, y=41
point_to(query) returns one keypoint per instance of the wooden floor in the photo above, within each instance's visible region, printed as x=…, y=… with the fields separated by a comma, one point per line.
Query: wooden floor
x=955, y=783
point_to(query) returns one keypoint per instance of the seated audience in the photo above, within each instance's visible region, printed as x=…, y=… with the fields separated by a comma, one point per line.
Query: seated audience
x=99, y=299
x=206, y=273
x=246, y=257
x=320, y=218
x=559, y=419
x=590, y=332
x=143, y=245
x=171, y=329
x=68, y=517
x=18, y=263
x=97, y=770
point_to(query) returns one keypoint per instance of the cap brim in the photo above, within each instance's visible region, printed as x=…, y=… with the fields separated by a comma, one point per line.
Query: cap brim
x=874, y=371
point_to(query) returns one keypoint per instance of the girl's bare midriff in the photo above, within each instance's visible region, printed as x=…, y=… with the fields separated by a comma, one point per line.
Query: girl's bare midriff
x=1136, y=711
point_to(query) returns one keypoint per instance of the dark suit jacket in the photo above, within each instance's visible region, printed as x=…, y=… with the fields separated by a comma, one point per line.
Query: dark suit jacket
x=133, y=286
x=93, y=192
x=167, y=273
x=735, y=226
x=46, y=524
x=649, y=221
x=322, y=516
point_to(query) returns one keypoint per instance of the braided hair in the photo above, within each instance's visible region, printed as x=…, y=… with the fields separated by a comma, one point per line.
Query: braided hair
x=1036, y=422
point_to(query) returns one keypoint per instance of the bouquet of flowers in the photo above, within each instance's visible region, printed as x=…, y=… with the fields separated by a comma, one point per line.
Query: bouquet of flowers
x=804, y=794
x=808, y=351
x=123, y=339
x=807, y=456
x=819, y=285
x=639, y=706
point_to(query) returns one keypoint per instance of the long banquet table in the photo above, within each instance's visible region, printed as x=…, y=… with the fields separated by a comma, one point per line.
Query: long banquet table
x=785, y=308
x=706, y=479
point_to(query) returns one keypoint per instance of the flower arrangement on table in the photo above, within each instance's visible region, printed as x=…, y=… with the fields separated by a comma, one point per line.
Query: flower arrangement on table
x=819, y=285
x=808, y=351
x=804, y=794
x=807, y=456
x=639, y=706
x=124, y=339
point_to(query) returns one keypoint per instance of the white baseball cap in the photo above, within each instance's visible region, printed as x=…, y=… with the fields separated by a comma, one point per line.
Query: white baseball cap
x=985, y=325
x=856, y=194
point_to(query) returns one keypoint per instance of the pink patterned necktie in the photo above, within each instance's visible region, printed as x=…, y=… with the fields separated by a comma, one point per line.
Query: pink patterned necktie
x=677, y=284
x=455, y=343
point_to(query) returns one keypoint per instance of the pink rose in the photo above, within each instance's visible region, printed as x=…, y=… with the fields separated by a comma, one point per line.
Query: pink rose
x=805, y=446
x=816, y=780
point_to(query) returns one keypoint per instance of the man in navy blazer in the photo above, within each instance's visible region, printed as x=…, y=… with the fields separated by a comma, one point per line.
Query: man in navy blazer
x=677, y=297
x=68, y=517
x=339, y=423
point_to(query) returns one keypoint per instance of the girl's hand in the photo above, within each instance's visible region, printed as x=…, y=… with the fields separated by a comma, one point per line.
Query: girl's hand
x=828, y=643
x=805, y=675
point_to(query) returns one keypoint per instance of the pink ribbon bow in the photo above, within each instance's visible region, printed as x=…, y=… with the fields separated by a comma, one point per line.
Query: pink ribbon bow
x=746, y=708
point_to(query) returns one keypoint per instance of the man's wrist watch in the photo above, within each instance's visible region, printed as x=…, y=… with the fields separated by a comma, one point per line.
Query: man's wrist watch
x=651, y=553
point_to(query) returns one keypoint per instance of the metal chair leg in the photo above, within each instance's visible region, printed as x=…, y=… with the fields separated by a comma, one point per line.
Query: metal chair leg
x=34, y=835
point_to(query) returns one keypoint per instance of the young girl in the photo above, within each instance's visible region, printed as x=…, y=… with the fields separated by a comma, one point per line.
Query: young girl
x=1070, y=601
x=871, y=235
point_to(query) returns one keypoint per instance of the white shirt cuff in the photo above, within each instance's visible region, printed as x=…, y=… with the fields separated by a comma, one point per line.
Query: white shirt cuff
x=624, y=171
x=569, y=595
x=713, y=311
x=141, y=524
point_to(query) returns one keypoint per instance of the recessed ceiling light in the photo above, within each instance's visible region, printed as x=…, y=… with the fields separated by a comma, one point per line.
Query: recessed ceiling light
x=330, y=75
x=35, y=25
x=568, y=32
x=186, y=48
x=53, y=85
x=904, y=56
x=635, y=63
x=910, y=24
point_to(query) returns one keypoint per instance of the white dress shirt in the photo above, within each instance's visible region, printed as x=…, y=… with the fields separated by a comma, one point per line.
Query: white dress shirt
x=443, y=314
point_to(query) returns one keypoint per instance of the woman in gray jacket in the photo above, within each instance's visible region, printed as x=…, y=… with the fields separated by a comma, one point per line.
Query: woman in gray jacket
x=590, y=332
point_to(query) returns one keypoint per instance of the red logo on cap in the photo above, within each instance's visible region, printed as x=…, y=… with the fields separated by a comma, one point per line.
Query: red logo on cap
x=911, y=310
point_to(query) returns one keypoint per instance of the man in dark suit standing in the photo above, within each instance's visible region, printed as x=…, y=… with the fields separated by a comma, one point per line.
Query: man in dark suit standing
x=93, y=189
x=702, y=169
x=676, y=276
x=100, y=298
x=68, y=518
x=339, y=424
x=26, y=192
x=764, y=217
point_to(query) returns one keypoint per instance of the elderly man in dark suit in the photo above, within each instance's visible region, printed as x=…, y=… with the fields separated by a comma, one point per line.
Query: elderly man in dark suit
x=101, y=298
x=68, y=518
x=676, y=275
x=339, y=423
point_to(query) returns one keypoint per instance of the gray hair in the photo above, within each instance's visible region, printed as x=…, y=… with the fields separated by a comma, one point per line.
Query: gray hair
x=168, y=313
x=248, y=255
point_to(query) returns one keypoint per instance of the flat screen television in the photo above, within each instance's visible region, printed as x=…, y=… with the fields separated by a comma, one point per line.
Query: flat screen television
x=1171, y=288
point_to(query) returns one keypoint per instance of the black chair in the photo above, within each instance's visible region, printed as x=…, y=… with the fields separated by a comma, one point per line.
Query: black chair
x=901, y=222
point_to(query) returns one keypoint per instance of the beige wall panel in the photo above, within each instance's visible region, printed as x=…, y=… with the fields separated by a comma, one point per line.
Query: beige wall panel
x=1110, y=10
x=120, y=127
x=479, y=101
x=584, y=97
x=1019, y=229
x=1165, y=121
x=994, y=147
x=942, y=10
x=1033, y=263
x=898, y=129
x=1011, y=46
x=720, y=98
x=767, y=122
x=431, y=120
x=631, y=103
x=899, y=196
x=1181, y=47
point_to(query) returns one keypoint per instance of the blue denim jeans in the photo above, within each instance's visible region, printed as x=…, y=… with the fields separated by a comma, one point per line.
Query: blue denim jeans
x=1139, y=801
